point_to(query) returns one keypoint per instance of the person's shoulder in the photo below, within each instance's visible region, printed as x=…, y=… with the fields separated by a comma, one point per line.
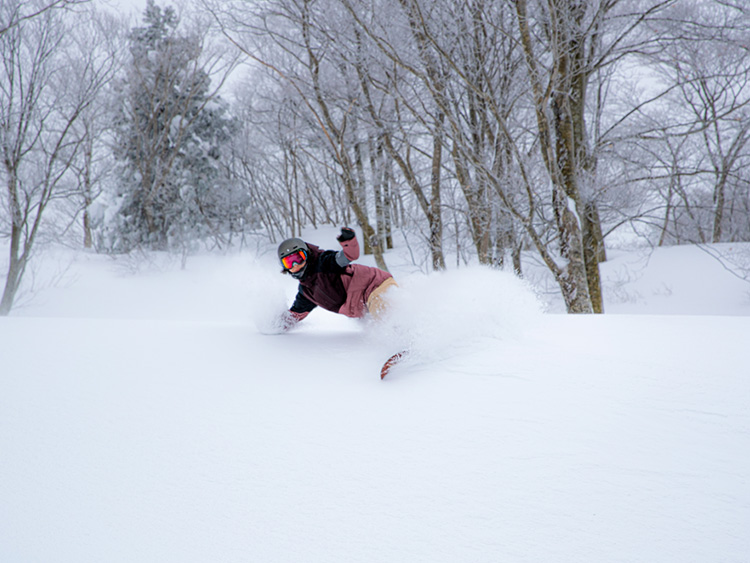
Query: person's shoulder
x=314, y=249
x=314, y=253
x=327, y=262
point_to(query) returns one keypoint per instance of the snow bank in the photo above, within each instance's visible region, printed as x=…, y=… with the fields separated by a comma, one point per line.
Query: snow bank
x=679, y=280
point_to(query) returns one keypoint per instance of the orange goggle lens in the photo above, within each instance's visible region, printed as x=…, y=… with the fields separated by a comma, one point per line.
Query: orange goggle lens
x=294, y=258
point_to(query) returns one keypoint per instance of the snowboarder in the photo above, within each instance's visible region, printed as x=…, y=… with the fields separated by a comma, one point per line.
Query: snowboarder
x=327, y=278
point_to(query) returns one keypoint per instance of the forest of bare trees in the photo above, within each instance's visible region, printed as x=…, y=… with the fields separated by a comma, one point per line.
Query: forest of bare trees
x=473, y=131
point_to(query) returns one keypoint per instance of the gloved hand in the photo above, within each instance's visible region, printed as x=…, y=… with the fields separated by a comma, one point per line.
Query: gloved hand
x=349, y=247
x=290, y=319
x=346, y=234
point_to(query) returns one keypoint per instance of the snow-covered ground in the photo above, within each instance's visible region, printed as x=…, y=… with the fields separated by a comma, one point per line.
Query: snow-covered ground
x=146, y=417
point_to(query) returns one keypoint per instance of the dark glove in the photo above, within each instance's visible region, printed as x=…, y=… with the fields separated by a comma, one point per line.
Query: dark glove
x=346, y=234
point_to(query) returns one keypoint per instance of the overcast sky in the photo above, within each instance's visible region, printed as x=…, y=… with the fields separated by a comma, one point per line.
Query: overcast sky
x=133, y=7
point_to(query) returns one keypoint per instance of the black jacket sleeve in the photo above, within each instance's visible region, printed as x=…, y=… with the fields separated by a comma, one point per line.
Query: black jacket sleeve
x=330, y=262
x=302, y=304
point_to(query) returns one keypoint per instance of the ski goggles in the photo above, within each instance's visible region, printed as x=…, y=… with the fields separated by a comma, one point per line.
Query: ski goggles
x=293, y=259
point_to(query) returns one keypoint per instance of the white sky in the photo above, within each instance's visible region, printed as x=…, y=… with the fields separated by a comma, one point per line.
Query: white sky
x=130, y=7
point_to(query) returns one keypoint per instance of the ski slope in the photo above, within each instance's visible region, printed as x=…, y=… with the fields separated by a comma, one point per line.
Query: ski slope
x=150, y=417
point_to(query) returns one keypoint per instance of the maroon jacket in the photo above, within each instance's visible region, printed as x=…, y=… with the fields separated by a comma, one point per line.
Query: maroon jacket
x=331, y=282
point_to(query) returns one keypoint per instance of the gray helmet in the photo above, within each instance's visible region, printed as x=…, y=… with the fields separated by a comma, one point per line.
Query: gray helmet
x=290, y=246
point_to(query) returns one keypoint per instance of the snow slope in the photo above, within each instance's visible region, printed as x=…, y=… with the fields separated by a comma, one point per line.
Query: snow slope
x=145, y=417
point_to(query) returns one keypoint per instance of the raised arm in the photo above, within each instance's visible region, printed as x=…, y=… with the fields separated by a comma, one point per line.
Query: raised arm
x=349, y=247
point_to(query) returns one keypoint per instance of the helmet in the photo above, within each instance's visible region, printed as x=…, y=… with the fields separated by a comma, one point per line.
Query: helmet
x=290, y=246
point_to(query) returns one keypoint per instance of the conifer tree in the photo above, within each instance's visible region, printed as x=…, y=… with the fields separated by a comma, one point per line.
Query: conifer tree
x=170, y=133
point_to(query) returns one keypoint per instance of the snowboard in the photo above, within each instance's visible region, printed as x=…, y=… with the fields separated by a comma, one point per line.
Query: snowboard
x=391, y=362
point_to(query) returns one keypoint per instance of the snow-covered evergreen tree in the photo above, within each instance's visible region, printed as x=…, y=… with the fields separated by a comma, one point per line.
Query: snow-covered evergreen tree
x=169, y=137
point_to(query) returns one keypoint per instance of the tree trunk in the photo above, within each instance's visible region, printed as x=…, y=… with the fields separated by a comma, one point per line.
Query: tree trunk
x=477, y=210
x=560, y=161
x=87, y=238
x=16, y=266
x=719, y=203
x=16, y=260
x=389, y=205
x=377, y=173
x=435, y=215
x=593, y=254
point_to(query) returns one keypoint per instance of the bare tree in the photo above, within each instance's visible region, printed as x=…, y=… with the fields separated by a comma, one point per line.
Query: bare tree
x=711, y=67
x=393, y=140
x=98, y=38
x=686, y=142
x=294, y=40
x=40, y=103
x=512, y=117
x=15, y=13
